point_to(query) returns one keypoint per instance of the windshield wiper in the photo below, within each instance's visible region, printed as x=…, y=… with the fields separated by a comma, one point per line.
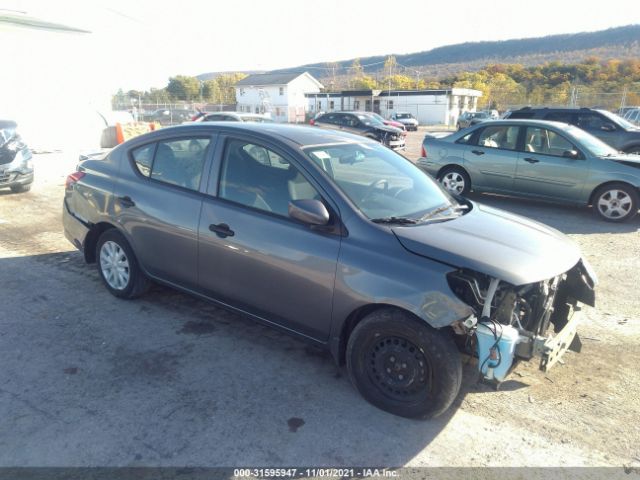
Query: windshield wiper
x=435, y=212
x=396, y=220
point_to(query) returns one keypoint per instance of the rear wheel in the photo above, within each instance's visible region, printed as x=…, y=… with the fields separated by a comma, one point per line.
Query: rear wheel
x=616, y=202
x=118, y=267
x=455, y=180
x=402, y=365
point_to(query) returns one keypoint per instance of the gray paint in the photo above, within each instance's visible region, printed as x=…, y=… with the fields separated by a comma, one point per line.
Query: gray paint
x=289, y=274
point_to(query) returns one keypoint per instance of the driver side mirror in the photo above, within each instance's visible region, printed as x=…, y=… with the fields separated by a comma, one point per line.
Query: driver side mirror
x=608, y=127
x=309, y=211
x=572, y=154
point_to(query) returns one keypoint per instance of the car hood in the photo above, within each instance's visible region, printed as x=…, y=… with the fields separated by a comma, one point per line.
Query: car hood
x=494, y=242
x=631, y=160
x=388, y=128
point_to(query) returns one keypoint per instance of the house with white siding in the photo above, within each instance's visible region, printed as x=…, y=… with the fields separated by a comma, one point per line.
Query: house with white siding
x=430, y=107
x=278, y=95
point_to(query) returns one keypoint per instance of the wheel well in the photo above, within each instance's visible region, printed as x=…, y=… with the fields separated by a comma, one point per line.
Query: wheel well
x=353, y=319
x=92, y=239
x=593, y=192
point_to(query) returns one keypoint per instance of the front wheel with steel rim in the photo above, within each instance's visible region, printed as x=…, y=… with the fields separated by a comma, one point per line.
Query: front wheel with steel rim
x=118, y=267
x=403, y=366
x=616, y=202
x=455, y=180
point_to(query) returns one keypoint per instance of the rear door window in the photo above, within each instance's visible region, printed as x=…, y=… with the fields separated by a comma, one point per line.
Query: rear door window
x=500, y=136
x=564, y=117
x=515, y=115
x=180, y=162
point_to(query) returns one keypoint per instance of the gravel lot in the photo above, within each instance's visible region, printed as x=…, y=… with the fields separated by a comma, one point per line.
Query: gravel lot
x=88, y=379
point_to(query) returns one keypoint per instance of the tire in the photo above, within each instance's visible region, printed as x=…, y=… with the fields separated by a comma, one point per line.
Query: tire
x=20, y=188
x=615, y=202
x=455, y=180
x=113, y=247
x=402, y=365
x=635, y=150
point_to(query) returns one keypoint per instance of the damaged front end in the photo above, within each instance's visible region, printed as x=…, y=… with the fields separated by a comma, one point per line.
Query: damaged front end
x=513, y=322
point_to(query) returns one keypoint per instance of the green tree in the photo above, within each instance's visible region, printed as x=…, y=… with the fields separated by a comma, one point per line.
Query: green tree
x=364, y=82
x=182, y=87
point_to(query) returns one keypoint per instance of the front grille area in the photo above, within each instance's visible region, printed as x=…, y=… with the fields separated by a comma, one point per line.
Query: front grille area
x=6, y=177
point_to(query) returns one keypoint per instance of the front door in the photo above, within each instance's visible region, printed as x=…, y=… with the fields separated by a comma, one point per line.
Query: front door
x=544, y=171
x=158, y=205
x=491, y=156
x=252, y=254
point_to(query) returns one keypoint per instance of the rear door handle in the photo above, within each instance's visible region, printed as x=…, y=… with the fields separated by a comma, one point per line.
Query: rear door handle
x=222, y=230
x=477, y=152
x=126, y=201
x=531, y=160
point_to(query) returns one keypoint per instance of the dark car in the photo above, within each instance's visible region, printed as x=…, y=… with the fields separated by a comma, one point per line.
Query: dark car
x=468, y=119
x=608, y=127
x=339, y=240
x=16, y=165
x=365, y=124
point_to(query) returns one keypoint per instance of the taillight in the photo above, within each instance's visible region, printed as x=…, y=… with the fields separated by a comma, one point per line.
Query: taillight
x=312, y=121
x=73, y=178
x=423, y=152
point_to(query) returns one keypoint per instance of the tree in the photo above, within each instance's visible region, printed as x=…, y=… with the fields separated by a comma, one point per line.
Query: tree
x=182, y=87
x=211, y=91
x=356, y=68
x=364, y=82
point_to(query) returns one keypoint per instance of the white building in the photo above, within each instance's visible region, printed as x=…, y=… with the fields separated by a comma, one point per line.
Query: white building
x=280, y=95
x=430, y=107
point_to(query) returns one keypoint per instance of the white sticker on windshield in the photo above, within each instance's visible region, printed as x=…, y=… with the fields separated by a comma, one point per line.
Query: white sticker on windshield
x=322, y=155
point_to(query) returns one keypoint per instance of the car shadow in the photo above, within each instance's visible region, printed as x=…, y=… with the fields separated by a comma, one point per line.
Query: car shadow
x=567, y=219
x=170, y=379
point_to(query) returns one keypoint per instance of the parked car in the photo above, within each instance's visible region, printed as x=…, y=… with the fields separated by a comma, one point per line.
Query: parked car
x=537, y=159
x=165, y=116
x=407, y=119
x=230, y=117
x=391, y=123
x=468, y=119
x=336, y=239
x=608, y=127
x=362, y=123
x=16, y=165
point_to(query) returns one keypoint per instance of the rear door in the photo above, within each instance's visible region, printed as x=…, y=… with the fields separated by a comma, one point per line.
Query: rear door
x=158, y=203
x=252, y=254
x=491, y=156
x=543, y=171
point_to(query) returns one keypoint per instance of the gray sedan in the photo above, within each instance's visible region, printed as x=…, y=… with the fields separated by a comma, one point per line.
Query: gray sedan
x=338, y=240
x=537, y=159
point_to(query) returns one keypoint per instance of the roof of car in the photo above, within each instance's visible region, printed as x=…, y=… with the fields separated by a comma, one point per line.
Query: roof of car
x=302, y=135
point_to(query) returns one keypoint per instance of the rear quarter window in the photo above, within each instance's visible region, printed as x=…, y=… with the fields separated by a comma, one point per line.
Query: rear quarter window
x=143, y=158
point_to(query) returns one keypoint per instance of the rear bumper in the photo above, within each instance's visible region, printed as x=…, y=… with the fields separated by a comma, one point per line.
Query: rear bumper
x=74, y=229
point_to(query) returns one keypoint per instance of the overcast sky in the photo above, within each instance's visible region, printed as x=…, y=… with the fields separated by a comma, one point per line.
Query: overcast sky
x=138, y=44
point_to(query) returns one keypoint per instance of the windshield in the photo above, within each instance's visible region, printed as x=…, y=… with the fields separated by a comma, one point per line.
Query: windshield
x=380, y=183
x=404, y=115
x=369, y=120
x=619, y=120
x=591, y=143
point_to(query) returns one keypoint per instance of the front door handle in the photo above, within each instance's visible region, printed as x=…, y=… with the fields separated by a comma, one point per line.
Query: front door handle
x=477, y=152
x=531, y=160
x=222, y=230
x=126, y=201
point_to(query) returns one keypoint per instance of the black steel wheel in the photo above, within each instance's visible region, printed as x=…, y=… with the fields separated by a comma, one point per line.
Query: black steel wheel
x=402, y=365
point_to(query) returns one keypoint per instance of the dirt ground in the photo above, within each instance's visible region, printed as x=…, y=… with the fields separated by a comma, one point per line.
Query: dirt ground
x=171, y=380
